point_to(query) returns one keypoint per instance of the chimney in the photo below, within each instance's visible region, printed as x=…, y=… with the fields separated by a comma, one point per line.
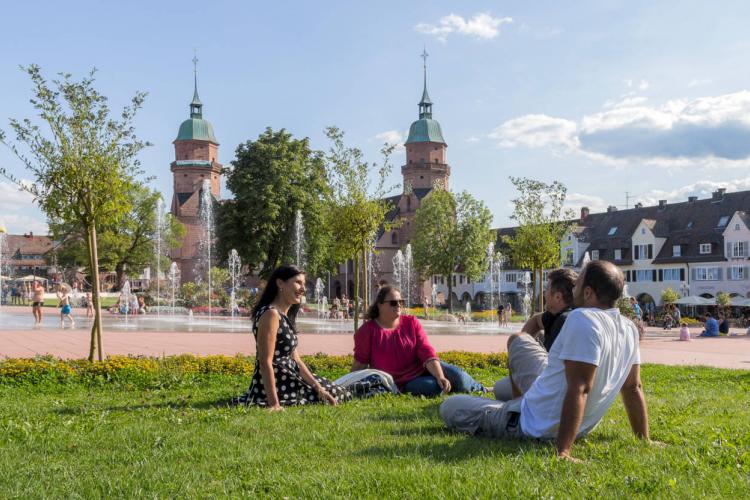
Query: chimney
x=692, y=199
x=584, y=212
x=718, y=195
x=662, y=204
x=611, y=208
x=639, y=205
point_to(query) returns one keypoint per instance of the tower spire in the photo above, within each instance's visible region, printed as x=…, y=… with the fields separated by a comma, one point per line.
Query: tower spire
x=196, y=105
x=425, y=104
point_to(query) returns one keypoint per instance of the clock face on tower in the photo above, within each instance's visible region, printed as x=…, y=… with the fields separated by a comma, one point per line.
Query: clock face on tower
x=438, y=184
x=408, y=188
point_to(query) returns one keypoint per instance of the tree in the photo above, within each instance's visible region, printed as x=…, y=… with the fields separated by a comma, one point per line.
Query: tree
x=723, y=300
x=355, y=208
x=126, y=244
x=542, y=222
x=82, y=160
x=451, y=232
x=272, y=178
x=669, y=296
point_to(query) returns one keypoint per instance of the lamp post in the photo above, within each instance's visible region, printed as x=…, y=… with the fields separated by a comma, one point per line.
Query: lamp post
x=685, y=288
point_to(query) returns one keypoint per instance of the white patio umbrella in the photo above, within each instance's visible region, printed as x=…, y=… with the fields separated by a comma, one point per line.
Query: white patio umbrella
x=694, y=300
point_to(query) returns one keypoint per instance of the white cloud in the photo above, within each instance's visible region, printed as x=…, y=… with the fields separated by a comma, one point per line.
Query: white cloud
x=536, y=131
x=473, y=139
x=698, y=82
x=702, y=189
x=712, y=131
x=392, y=137
x=625, y=102
x=18, y=213
x=640, y=85
x=482, y=26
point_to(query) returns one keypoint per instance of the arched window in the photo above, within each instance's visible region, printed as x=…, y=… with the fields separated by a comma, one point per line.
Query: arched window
x=394, y=238
x=408, y=203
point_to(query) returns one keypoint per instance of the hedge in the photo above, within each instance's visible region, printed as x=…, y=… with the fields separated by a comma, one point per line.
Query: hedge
x=47, y=369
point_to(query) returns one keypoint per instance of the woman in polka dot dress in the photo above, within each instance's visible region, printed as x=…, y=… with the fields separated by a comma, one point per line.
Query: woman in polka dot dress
x=281, y=377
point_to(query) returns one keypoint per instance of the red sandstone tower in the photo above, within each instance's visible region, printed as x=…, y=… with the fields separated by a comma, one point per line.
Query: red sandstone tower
x=196, y=160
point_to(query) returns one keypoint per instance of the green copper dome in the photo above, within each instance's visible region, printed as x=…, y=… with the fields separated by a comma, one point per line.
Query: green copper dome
x=196, y=129
x=425, y=130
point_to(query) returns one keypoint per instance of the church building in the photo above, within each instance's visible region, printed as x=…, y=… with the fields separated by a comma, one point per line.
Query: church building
x=196, y=164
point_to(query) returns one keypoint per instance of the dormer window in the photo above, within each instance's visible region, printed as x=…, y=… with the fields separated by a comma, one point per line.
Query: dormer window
x=618, y=254
x=723, y=221
x=676, y=251
x=705, y=248
x=737, y=227
x=612, y=231
x=643, y=230
x=594, y=254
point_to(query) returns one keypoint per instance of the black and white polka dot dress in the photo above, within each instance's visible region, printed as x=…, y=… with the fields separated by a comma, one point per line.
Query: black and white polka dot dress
x=290, y=387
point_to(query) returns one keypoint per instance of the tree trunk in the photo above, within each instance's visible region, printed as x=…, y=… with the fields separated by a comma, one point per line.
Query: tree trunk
x=356, y=292
x=96, y=330
x=540, y=289
x=450, y=294
x=120, y=274
x=89, y=247
x=365, y=279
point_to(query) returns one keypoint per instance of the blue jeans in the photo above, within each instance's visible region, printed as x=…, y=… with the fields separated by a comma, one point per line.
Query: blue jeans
x=426, y=385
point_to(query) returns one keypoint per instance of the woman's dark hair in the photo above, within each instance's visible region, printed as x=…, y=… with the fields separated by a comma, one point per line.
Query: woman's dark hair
x=271, y=290
x=372, y=311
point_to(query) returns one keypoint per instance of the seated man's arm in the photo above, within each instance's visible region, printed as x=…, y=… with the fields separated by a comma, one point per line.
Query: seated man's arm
x=635, y=402
x=533, y=325
x=580, y=378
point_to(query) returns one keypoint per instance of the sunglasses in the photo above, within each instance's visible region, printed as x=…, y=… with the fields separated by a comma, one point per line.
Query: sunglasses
x=394, y=303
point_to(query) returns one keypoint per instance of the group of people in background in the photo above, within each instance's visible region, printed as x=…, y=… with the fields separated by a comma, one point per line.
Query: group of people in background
x=566, y=365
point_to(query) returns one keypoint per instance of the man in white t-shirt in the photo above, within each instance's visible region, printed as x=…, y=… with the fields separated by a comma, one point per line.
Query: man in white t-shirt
x=594, y=358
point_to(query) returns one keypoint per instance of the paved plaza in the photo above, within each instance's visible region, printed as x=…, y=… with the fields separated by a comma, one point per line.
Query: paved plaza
x=658, y=347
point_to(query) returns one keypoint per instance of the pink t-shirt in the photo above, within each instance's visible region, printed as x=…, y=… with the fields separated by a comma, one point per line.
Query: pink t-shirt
x=401, y=352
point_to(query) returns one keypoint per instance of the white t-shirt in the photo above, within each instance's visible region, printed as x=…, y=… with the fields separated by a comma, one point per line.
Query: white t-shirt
x=596, y=336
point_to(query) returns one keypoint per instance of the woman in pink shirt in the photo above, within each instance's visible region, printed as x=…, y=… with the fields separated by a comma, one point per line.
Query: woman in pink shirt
x=397, y=344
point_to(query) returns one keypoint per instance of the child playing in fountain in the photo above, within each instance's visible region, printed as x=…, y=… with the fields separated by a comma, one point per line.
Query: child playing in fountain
x=65, y=308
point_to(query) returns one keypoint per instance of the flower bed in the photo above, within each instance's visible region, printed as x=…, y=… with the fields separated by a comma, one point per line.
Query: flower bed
x=137, y=368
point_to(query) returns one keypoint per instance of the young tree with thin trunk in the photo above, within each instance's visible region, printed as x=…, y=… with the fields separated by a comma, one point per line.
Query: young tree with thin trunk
x=542, y=221
x=83, y=162
x=451, y=232
x=355, y=208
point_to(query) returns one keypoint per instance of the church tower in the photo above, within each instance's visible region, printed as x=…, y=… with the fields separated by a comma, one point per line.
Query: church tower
x=426, y=165
x=196, y=161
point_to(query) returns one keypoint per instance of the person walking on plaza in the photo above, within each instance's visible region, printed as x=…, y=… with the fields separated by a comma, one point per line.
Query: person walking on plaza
x=568, y=391
x=89, y=305
x=397, y=344
x=280, y=377
x=37, y=302
x=65, y=306
x=684, y=332
x=676, y=314
x=558, y=302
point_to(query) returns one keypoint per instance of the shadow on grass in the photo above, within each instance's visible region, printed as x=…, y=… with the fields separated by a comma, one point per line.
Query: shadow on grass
x=213, y=404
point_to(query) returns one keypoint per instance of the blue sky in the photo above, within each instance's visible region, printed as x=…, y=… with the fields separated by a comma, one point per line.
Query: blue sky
x=606, y=96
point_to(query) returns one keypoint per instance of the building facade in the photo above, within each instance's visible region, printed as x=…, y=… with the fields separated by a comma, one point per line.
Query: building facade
x=195, y=167
x=696, y=248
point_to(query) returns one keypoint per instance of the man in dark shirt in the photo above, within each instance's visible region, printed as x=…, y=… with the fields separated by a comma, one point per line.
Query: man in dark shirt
x=723, y=324
x=558, y=299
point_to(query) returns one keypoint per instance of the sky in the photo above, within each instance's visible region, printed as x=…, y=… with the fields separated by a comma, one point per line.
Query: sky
x=646, y=98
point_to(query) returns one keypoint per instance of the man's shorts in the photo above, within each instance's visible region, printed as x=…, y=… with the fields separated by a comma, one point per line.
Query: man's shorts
x=37, y=304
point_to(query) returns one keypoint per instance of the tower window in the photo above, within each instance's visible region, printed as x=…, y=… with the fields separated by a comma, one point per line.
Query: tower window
x=421, y=176
x=394, y=238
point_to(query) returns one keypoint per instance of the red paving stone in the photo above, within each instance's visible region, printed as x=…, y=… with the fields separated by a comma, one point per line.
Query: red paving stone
x=723, y=352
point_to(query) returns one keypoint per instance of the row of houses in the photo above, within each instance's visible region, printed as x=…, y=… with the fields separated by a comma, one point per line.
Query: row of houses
x=696, y=247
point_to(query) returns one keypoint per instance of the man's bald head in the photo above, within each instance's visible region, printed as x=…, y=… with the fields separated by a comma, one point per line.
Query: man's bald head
x=605, y=281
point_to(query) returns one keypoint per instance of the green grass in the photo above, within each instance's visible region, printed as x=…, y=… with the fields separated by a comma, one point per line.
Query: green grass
x=174, y=438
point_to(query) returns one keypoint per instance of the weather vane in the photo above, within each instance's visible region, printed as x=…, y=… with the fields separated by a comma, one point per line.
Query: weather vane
x=195, y=61
x=424, y=56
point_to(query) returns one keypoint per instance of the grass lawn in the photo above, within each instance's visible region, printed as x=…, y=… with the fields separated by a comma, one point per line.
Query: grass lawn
x=174, y=438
